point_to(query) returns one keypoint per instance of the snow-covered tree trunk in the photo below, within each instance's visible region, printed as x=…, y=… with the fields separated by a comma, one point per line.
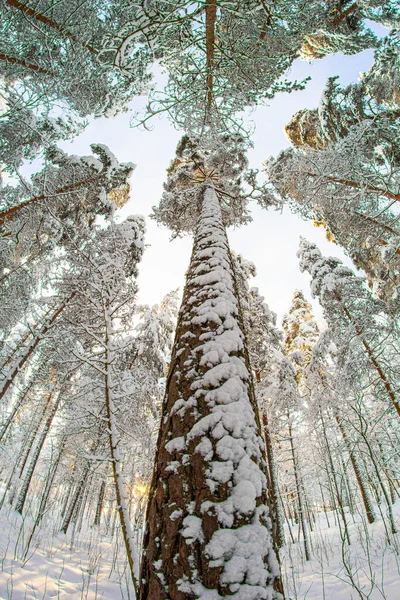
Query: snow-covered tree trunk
x=208, y=530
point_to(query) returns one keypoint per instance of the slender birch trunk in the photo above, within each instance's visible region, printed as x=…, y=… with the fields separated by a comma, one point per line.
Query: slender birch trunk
x=208, y=502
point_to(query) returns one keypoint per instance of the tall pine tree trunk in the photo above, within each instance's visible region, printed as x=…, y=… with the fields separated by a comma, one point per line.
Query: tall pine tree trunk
x=208, y=528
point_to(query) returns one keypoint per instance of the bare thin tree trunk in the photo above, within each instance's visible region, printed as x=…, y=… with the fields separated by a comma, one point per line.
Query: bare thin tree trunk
x=381, y=483
x=77, y=494
x=20, y=401
x=210, y=430
x=388, y=387
x=45, y=495
x=37, y=420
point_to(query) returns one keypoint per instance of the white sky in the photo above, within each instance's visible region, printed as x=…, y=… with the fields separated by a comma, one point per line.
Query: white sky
x=271, y=240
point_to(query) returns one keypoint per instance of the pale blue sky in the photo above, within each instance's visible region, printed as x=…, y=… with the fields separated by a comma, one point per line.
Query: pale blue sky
x=271, y=240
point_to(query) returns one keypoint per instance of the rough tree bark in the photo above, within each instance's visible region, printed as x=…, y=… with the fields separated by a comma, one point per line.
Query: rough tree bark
x=208, y=529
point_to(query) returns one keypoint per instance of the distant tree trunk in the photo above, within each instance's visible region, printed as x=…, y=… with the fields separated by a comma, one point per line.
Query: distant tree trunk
x=32, y=432
x=276, y=517
x=50, y=479
x=45, y=495
x=335, y=482
x=100, y=502
x=35, y=457
x=28, y=350
x=299, y=492
x=367, y=501
x=381, y=483
x=208, y=497
x=75, y=498
x=114, y=441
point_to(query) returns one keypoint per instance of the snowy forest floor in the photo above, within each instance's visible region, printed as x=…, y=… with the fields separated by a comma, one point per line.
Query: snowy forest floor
x=92, y=566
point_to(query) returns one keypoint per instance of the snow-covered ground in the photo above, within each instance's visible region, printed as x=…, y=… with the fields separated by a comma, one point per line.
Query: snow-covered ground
x=367, y=569
x=91, y=567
